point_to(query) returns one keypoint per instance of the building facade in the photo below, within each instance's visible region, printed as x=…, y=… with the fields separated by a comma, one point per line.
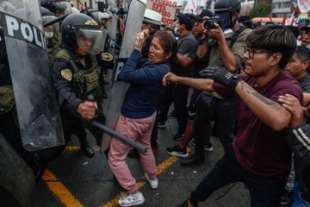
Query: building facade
x=281, y=8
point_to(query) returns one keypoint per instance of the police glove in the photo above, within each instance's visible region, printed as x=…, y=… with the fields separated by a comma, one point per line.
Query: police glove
x=221, y=75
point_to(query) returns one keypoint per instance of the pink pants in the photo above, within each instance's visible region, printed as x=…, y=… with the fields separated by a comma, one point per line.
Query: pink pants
x=139, y=130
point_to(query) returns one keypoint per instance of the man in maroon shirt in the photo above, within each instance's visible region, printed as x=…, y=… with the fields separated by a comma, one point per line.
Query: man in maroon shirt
x=260, y=157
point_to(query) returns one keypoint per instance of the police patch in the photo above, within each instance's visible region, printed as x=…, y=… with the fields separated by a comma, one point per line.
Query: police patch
x=108, y=57
x=66, y=74
x=90, y=22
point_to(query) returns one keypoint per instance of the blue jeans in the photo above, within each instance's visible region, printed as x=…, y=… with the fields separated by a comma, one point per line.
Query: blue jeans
x=298, y=201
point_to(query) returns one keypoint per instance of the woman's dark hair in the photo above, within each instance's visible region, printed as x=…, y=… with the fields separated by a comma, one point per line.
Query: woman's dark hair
x=167, y=42
x=274, y=39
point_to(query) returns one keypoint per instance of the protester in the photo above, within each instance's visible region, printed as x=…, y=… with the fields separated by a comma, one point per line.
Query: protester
x=182, y=65
x=223, y=45
x=262, y=123
x=139, y=112
x=297, y=68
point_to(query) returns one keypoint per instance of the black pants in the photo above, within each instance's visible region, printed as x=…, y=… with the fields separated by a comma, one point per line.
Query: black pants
x=179, y=96
x=223, y=112
x=165, y=100
x=264, y=191
x=76, y=126
x=154, y=135
x=204, y=109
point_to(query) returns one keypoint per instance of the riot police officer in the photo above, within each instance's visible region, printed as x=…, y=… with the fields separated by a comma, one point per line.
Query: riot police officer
x=52, y=35
x=78, y=79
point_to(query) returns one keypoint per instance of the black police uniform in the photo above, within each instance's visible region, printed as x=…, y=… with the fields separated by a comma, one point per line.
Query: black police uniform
x=76, y=83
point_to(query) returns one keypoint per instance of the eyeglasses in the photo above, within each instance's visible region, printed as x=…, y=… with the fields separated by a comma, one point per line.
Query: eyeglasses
x=251, y=52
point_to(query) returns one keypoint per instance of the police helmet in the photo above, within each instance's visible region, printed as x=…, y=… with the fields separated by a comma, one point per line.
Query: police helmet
x=79, y=26
x=45, y=12
x=227, y=6
x=57, y=6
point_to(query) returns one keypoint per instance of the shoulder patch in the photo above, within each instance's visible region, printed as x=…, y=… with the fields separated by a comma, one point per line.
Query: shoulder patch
x=106, y=56
x=90, y=22
x=66, y=74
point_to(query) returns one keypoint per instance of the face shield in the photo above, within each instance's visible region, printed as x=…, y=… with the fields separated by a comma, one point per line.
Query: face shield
x=90, y=40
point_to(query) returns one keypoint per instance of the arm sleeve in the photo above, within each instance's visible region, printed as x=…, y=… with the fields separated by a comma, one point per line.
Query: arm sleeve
x=287, y=88
x=239, y=47
x=64, y=87
x=149, y=74
x=187, y=46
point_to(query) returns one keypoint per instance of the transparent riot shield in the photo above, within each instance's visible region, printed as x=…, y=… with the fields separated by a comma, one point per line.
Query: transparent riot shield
x=36, y=103
x=117, y=93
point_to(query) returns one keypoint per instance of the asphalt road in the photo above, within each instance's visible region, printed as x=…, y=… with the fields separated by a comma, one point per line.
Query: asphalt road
x=76, y=181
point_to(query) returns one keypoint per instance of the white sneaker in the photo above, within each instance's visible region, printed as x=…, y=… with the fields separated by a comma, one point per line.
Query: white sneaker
x=132, y=199
x=153, y=182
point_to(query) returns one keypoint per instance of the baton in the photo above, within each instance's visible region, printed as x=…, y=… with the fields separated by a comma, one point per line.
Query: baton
x=59, y=19
x=126, y=140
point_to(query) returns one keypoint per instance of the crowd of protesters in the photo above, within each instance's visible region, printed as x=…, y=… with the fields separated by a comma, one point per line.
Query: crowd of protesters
x=220, y=75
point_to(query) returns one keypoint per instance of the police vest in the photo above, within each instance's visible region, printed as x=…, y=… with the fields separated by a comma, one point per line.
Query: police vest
x=6, y=99
x=86, y=82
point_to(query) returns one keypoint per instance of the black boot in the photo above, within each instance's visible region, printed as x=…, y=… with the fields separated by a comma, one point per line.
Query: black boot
x=86, y=148
x=88, y=151
x=193, y=160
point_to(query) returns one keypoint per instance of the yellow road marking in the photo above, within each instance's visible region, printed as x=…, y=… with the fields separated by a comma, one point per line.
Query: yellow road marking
x=60, y=190
x=162, y=167
x=72, y=148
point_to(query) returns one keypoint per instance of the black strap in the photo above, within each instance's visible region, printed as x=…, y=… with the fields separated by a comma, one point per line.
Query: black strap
x=235, y=36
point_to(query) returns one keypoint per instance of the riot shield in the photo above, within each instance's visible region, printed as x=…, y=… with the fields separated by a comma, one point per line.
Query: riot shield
x=36, y=103
x=117, y=93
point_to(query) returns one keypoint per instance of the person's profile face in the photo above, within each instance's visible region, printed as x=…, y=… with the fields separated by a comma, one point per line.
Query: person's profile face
x=157, y=53
x=305, y=37
x=296, y=66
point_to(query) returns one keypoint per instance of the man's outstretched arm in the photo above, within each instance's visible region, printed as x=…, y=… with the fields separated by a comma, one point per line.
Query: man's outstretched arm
x=199, y=84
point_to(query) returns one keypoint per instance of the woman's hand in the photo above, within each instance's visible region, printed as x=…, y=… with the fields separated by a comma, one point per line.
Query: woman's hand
x=140, y=39
x=292, y=104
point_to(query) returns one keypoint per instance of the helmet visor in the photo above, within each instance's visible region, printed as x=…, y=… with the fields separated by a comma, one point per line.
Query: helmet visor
x=90, y=40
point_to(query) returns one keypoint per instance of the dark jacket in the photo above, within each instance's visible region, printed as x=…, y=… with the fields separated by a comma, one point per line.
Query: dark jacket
x=145, y=84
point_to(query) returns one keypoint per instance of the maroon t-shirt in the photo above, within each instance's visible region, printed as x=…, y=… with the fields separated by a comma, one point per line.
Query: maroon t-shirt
x=258, y=148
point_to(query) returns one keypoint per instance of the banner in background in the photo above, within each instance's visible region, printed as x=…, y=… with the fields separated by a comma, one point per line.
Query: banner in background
x=166, y=8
